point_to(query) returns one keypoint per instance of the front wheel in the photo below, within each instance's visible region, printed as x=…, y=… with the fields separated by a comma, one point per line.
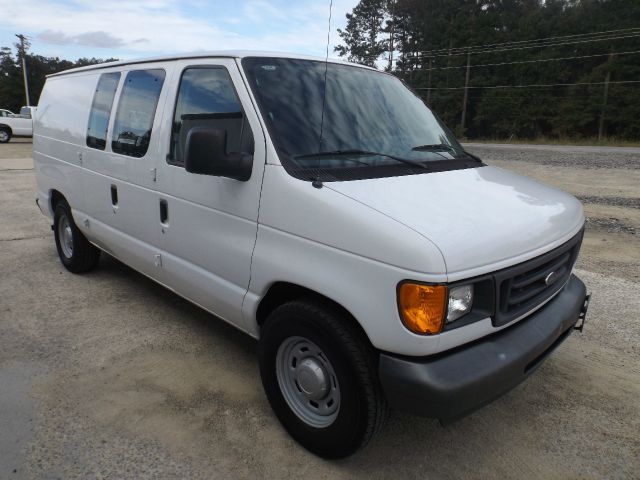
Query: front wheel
x=75, y=251
x=320, y=378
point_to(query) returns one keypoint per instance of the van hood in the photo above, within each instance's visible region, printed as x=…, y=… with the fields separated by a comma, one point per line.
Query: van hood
x=482, y=219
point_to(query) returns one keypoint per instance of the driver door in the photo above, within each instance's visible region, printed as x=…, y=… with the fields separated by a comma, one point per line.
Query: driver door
x=208, y=224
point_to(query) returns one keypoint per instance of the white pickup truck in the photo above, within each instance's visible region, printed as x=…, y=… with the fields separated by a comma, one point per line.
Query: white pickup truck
x=17, y=125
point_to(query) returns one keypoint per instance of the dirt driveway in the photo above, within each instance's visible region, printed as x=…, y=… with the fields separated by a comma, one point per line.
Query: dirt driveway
x=108, y=375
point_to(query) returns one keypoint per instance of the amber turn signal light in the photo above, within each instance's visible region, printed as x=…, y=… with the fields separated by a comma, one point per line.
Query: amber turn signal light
x=423, y=308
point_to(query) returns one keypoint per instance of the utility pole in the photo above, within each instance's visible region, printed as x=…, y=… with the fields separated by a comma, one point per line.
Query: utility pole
x=24, y=44
x=413, y=61
x=449, y=60
x=605, y=97
x=429, y=82
x=466, y=91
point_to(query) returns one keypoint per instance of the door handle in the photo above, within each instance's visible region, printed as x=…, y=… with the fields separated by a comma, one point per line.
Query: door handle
x=114, y=197
x=164, y=212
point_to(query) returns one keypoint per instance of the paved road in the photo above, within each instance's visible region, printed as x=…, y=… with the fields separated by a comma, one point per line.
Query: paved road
x=108, y=375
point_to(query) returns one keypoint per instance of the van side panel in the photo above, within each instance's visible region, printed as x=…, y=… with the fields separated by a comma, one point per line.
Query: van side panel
x=59, y=136
x=120, y=189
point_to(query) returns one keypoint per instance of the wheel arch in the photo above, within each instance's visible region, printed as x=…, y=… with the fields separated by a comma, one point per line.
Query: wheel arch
x=4, y=126
x=55, y=196
x=282, y=292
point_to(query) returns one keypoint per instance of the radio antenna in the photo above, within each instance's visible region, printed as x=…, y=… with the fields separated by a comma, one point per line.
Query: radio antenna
x=326, y=67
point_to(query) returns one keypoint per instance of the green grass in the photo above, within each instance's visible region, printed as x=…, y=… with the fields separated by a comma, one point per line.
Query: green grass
x=590, y=142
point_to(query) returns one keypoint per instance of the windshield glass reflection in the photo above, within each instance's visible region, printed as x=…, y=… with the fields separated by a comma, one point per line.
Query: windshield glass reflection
x=364, y=119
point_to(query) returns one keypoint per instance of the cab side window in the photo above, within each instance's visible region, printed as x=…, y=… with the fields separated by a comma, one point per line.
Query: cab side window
x=136, y=110
x=101, y=110
x=206, y=98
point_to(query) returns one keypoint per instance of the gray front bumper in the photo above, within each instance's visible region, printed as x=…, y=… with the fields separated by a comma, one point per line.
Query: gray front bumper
x=455, y=383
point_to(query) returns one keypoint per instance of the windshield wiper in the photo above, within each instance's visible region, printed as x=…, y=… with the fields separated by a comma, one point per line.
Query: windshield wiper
x=335, y=153
x=433, y=148
x=443, y=147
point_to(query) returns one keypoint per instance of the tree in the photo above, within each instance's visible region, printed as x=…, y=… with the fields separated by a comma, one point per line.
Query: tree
x=38, y=67
x=430, y=39
x=11, y=82
x=362, y=33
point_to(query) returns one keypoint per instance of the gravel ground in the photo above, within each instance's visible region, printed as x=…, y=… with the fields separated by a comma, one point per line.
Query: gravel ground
x=613, y=201
x=610, y=225
x=108, y=375
x=562, y=156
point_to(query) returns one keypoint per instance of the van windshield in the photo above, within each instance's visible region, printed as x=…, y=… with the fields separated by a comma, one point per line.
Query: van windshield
x=371, y=125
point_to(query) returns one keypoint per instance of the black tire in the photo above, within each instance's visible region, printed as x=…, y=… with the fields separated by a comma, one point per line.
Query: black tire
x=82, y=256
x=362, y=407
x=5, y=135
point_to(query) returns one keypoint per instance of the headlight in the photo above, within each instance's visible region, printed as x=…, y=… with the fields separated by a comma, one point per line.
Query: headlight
x=460, y=302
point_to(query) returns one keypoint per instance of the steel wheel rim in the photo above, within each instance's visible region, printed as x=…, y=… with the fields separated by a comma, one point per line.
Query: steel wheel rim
x=308, y=382
x=65, y=234
x=3, y=136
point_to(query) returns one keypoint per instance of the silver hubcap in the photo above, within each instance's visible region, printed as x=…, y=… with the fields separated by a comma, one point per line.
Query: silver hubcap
x=3, y=136
x=66, y=236
x=308, y=382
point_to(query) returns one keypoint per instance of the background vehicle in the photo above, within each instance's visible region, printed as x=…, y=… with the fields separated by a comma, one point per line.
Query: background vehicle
x=323, y=209
x=5, y=113
x=29, y=111
x=17, y=125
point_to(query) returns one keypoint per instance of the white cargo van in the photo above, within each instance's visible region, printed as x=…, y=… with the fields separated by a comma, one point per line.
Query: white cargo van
x=323, y=209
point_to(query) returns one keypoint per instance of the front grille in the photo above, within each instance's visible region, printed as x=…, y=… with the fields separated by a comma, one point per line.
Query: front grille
x=521, y=288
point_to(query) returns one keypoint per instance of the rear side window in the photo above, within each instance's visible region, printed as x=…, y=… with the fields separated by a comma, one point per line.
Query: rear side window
x=136, y=109
x=206, y=98
x=101, y=109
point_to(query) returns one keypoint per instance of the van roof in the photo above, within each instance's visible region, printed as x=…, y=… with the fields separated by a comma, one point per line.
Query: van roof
x=205, y=54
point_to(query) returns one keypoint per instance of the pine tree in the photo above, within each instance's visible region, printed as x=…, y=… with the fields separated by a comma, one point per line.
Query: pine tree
x=427, y=40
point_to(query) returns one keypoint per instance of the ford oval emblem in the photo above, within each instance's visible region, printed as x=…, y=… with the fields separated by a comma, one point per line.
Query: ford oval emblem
x=550, y=278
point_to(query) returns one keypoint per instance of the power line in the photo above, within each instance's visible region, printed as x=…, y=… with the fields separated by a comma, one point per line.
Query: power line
x=522, y=44
x=536, y=40
x=525, y=61
x=537, y=94
x=526, y=47
x=526, y=86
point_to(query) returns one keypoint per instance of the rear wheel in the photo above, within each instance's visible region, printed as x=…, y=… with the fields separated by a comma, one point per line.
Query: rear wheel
x=74, y=250
x=5, y=135
x=320, y=378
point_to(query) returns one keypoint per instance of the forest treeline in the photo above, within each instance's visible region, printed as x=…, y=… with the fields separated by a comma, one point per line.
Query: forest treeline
x=537, y=68
x=12, y=94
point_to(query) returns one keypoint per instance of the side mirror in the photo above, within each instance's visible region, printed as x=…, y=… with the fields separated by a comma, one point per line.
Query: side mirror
x=206, y=154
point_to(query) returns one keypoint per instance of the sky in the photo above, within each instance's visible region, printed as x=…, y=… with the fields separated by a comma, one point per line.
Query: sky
x=126, y=29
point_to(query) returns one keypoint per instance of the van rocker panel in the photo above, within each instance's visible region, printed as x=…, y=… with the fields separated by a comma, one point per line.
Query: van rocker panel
x=451, y=385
